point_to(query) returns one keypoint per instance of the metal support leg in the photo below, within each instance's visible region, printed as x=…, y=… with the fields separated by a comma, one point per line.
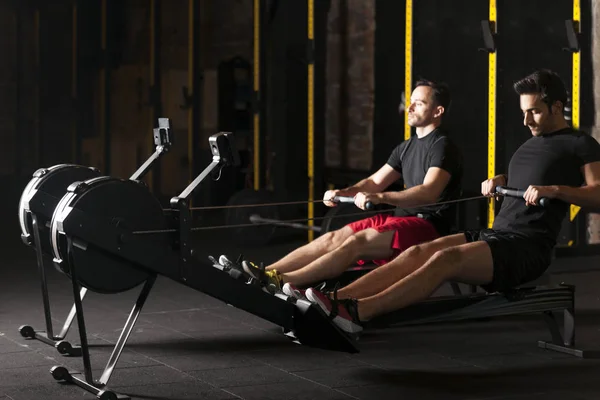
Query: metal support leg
x=455, y=289
x=48, y=336
x=569, y=328
x=565, y=342
x=131, y=320
x=88, y=383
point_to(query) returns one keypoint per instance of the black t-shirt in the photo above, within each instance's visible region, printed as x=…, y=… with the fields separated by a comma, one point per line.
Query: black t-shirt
x=551, y=159
x=414, y=157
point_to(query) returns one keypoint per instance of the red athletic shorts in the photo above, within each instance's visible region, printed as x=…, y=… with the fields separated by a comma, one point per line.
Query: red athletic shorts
x=408, y=231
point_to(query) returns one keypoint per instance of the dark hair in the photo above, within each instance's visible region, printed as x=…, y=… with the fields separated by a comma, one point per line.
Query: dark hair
x=441, y=92
x=546, y=83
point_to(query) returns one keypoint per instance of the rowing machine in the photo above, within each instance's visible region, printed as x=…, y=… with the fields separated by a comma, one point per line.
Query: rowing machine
x=40, y=198
x=528, y=298
x=110, y=235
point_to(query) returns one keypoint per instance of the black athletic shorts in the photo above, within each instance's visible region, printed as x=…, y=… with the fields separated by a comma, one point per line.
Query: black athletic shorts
x=518, y=259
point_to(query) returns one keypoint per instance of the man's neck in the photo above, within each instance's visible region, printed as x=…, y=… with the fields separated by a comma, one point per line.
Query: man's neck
x=558, y=127
x=423, y=131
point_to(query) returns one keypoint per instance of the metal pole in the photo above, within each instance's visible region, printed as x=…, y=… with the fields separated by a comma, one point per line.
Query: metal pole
x=311, y=116
x=105, y=89
x=37, y=151
x=408, y=42
x=75, y=140
x=492, y=62
x=155, y=86
x=256, y=90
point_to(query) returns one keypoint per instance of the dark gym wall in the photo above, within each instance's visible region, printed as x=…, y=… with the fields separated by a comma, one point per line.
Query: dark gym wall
x=446, y=41
x=287, y=100
x=350, y=90
x=388, y=123
x=55, y=85
x=531, y=35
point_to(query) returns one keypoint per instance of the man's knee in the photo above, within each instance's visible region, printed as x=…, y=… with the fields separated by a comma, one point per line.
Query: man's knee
x=366, y=243
x=334, y=239
x=416, y=250
x=447, y=258
x=356, y=242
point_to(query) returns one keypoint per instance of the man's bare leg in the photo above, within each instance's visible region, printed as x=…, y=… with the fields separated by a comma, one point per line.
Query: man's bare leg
x=308, y=253
x=406, y=263
x=368, y=245
x=469, y=263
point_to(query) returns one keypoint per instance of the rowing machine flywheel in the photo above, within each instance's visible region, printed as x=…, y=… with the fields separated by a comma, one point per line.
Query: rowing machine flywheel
x=42, y=194
x=87, y=216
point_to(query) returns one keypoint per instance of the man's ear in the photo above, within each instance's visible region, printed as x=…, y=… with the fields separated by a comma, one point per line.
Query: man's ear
x=439, y=111
x=557, y=107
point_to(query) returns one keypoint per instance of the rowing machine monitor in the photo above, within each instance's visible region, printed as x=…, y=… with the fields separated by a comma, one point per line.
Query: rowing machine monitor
x=162, y=134
x=222, y=145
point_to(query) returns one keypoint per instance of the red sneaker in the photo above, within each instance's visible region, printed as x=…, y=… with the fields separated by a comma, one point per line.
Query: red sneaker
x=344, y=313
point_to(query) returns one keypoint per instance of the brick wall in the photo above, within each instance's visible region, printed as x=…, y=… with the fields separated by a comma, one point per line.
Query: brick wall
x=594, y=219
x=350, y=85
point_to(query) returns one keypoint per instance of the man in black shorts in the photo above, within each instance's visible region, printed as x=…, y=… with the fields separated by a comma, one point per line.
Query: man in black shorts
x=554, y=163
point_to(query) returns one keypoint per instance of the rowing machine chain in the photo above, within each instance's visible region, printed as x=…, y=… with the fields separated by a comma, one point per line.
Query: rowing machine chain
x=185, y=218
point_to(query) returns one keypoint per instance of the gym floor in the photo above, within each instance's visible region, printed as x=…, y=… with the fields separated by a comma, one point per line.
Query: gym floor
x=187, y=345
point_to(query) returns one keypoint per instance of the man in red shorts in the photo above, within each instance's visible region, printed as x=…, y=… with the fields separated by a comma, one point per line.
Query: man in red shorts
x=431, y=166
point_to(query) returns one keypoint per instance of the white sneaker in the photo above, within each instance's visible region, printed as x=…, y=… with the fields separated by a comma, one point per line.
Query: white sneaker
x=225, y=262
x=216, y=263
x=290, y=290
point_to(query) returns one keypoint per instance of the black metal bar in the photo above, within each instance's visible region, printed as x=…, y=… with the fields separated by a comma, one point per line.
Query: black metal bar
x=37, y=148
x=263, y=94
x=185, y=230
x=85, y=351
x=196, y=88
x=75, y=137
x=20, y=142
x=106, y=44
x=155, y=75
x=42, y=271
x=344, y=103
x=321, y=12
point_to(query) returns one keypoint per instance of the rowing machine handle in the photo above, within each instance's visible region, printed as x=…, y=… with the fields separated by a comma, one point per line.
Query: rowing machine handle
x=505, y=191
x=346, y=199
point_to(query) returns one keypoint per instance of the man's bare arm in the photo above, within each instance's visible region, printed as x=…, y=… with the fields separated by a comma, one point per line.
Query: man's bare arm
x=585, y=196
x=429, y=192
x=375, y=183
